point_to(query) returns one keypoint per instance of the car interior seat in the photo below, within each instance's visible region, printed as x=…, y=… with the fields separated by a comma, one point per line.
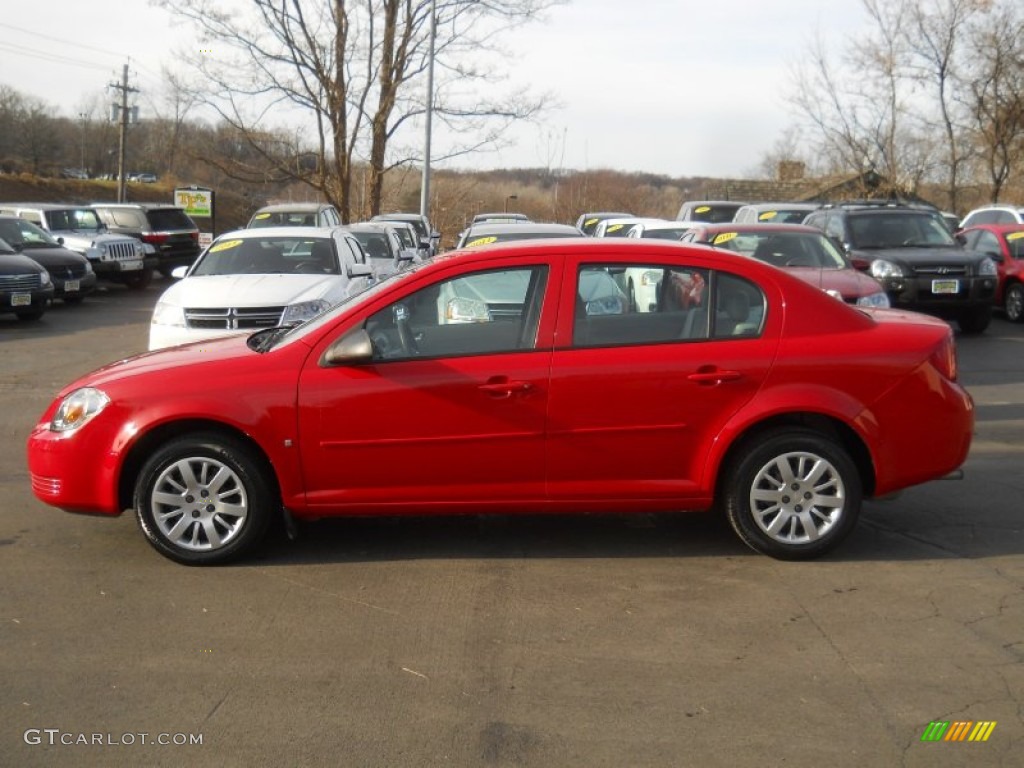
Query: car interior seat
x=322, y=257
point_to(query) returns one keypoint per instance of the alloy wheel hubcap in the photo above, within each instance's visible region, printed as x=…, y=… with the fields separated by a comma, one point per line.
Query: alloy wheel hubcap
x=797, y=497
x=1015, y=303
x=199, y=504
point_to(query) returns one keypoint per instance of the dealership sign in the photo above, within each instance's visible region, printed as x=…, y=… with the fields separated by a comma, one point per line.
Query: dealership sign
x=195, y=200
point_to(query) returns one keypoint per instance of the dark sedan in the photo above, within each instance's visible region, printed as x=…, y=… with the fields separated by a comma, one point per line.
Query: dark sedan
x=25, y=287
x=71, y=273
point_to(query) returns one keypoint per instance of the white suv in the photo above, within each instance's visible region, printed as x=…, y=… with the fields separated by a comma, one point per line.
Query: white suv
x=994, y=214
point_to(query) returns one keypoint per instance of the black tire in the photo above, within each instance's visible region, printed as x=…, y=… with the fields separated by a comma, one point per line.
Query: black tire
x=139, y=281
x=768, y=485
x=975, y=320
x=203, y=499
x=1013, y=302
x=31, y=315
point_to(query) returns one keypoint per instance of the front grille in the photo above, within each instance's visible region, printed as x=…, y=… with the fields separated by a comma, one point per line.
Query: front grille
x=27, y=282
x=940, y=270
x=68, y=272
x=232, y=318
x=123, y=250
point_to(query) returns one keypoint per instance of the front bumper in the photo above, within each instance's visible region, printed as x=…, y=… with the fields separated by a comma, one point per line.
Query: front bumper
x=935, y=295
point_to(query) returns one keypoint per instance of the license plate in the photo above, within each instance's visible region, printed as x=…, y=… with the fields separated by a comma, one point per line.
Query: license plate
x=945, y=286
x=131, y=266
x=21, y=300
x=70, y=286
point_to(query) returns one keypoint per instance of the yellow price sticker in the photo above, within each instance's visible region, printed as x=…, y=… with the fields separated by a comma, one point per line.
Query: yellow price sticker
x=1015, y=236
x=702, y=209
x=615, y=227
x=767, y=215
x=481, y=241
x=227, y=245
x=590, y=222
x=262, y=216
x=725, y=237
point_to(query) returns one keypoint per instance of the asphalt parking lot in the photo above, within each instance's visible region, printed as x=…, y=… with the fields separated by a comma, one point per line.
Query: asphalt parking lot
x=503, y=641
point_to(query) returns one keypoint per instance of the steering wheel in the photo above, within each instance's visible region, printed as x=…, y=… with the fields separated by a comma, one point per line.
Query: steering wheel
x=308, y=267
x=405, y=335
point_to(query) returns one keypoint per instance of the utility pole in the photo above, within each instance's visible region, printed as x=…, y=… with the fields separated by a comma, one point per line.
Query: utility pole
x=425, y=183
x=125, y=89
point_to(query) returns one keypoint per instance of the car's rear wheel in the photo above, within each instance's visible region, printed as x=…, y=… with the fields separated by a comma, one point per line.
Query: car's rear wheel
x=1013, y=302
x=203, y=499
x=975, y=320
x=793, y=494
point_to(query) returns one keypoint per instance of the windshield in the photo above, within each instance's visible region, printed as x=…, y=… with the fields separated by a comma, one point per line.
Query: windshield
x=664, y=234
x=326, y=318
x=375, y=244
x=898, y=230
x=283, y=219
x=70, y=219
x=21, y=234
x=505, y=237
x=232, y=255
x=783, y=249
x=716, y=213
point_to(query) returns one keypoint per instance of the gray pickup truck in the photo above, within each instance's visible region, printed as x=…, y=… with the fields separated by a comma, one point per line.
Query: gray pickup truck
x=119, y=258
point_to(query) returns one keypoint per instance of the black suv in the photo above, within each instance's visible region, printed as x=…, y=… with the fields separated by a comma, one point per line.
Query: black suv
x=911, y=252
x=166, y=228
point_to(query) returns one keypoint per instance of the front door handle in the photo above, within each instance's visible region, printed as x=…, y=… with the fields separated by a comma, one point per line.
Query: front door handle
x=502, y=386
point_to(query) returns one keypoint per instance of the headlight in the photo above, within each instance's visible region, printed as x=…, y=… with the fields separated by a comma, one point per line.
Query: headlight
x=303, y=311
x=45, y=278
x=987, y=267
x=880, y=269
x=606, y=305
x=88, y=267
x=77, y=408
x=140, y=249
x=874, y=300
x=459, y=310
x=650, y=277
x=168, y=314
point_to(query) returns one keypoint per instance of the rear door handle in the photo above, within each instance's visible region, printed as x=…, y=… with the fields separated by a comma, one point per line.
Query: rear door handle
x=715, y=376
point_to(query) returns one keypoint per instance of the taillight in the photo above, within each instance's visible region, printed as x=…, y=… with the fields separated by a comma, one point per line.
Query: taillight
x=944, y=358
x=153, y=238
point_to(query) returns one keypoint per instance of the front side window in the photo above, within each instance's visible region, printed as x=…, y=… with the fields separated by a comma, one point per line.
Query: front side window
x=482, y=313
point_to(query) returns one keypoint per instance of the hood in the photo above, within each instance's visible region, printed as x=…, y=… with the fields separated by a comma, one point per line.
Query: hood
x=86, y=238
x=209, y=291
x=933, y=254
x=215, y=352
x=849, y=283
x=54, y=256
x=17, y=264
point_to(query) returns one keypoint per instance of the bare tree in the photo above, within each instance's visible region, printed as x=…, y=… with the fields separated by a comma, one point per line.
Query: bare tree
x=996, y=87
x=346, y=76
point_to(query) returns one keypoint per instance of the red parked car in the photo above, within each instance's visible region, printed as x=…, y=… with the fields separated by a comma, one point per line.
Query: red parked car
x=513, y=379
x=1004, y=243
x=805, y=250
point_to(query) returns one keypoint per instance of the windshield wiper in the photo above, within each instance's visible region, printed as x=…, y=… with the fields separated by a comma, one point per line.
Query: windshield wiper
x=263, y=340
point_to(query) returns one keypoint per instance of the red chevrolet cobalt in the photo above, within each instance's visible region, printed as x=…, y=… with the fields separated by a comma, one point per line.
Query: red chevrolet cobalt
x=516, y=379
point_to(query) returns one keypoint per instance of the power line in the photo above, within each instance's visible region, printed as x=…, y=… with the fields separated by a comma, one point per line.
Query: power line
x=63, y=41
x=19, y=50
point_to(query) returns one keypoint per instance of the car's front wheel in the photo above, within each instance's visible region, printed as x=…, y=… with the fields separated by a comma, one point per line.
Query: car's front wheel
x=1013, y=302
x=975, y=320
x=794, y=494
x=203, y=499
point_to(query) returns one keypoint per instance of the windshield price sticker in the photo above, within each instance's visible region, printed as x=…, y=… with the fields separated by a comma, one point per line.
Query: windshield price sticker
x=481, y=241
x=945, y=286
x=768, y=215
x=725, y=237
x=225, y=246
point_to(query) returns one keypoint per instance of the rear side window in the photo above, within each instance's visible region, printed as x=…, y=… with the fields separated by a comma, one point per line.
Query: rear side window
x=169, y=218
x=124, y=217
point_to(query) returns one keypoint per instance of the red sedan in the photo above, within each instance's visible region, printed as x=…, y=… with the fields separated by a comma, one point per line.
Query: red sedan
x=1005, y=244
x=805, y=250
x=515, y=380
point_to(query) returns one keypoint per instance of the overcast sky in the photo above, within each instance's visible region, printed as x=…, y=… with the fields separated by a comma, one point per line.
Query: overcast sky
x=677, y=87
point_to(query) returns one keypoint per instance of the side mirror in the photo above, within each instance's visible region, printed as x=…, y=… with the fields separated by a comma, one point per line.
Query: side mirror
x=60, y=241
x=179, y=272
x=360, y=270
x=435, y=236
x=994, y=255
x=353, y=348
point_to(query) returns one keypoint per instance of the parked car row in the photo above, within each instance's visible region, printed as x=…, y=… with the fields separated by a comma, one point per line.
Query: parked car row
x=909, y=252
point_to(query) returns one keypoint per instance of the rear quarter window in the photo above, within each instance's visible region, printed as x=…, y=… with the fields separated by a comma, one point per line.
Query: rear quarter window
x=169, y=218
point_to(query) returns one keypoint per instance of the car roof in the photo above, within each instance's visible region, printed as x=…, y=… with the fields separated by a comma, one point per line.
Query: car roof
x=296, y=207
x=250, y=234
x=733, y=226
x=140, y=206
x=791, y=205
x=503, y=227
x=1010, y=226
x=46, y=206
